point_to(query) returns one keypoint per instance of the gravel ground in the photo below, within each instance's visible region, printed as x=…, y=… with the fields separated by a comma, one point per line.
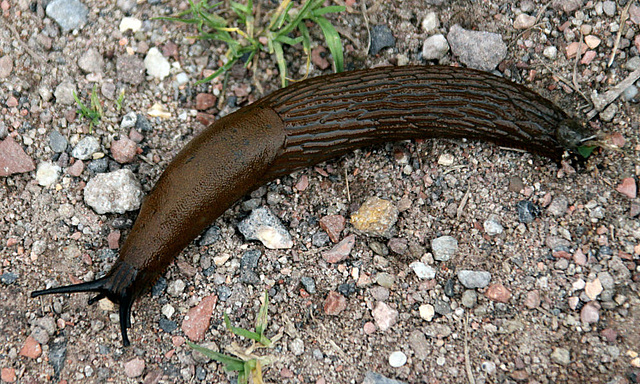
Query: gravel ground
x=561, y=304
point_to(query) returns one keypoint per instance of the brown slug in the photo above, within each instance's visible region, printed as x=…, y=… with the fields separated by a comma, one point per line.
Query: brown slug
x=312, y=121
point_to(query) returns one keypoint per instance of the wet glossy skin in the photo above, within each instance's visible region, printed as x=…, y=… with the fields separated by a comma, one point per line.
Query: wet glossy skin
x=310, y=122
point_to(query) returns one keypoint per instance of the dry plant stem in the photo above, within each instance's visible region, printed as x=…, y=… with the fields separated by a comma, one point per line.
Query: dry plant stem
x=366, y=24
x=623, y=18
x=25, y=46
x=463, y=202
x=600, y=102
x=567, y=82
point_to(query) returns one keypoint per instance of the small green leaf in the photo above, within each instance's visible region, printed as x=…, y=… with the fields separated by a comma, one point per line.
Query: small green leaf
x=333, y=42
x=282, y=64
x=329, y=9
x=586, y=150
x=230, y=363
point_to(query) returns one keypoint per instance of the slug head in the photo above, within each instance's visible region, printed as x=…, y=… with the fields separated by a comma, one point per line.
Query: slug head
x=572, y=134
x=119, y=286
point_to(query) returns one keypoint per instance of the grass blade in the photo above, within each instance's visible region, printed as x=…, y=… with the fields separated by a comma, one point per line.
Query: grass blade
x=329, y=9
x=333, y=42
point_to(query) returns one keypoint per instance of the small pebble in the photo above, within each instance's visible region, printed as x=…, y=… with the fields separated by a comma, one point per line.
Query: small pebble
x=527, y=211
x=375, y=217
x=47, y=173
x=628, y=187
x=590, y=313
x=8, y=278
x=430, y=22
x=309, y=284
x=69, y=14
x=469, y=298
x=123, y=150
x=422, y=270
x=474, y=279
x=134, y=368
x=197, y=320
x=129, y=120
x=333, y=225
x=381, y=37
x=498, y=292
x=249, y=266
x=444, y=247
x=561, y=356
x=86, y=148
x=492, y=226
x=57, y=142
x=385, y=316
x=176, y=288
x=427, y=311
x=64, y=93
x=340, y=251
x=435, y=47
x=296, y=346
x=264, y=226
x=114, y=192
x=397, y=359
x=91, y=61
x=477, y=49
x=334, y=304
x=130, y=24
x=524, y=21
x=156, y=65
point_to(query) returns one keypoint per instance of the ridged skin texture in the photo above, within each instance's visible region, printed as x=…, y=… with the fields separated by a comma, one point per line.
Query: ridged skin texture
x=309, y=122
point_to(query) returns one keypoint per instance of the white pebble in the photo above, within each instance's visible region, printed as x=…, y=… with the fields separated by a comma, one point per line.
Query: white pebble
x=427, y=311
x=550, y=52
x=430, y=22
x=168, y=310
x=130, y=23
x=446, y=159
x=47, y=173
x=422, y=270
x=397, y=359
x=156, y=64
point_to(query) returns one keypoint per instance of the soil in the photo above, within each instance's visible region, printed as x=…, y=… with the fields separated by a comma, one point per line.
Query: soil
x=514, y=341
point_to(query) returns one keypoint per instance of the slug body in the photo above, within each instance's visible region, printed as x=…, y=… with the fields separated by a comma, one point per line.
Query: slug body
x=310, y=122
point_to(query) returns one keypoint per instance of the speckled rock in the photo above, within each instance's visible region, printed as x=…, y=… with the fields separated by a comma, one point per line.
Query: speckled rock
x=264, y=226
x=69, y=14
x=384, y=316
x=381, y=37
x=91, y=61
x=444, y=247
x=375, y=217
x=477, y=49
x=196, y=322
x=123, y=150
x=130, y=69
x=64, y=93
x=86, y=148
x=13, y=159
x=113, y=192
x=474, y=279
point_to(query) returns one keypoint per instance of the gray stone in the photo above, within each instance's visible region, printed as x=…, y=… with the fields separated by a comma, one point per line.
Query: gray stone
x=376, y=378
x=444, y=247
x=422, y=270
x=477, y=49
x=264, y=226
x=469, y=298
x=492, y=225
x=69, y=14
x=64, y=93
x=558, y=205
x=435, y=47
x=130, y=69
x=58, y=142
x=474, y=279
x=381, y=37
x=113, y=192
x=86, y=148
x=6, y=66
x=561, y=356
x=91, y=61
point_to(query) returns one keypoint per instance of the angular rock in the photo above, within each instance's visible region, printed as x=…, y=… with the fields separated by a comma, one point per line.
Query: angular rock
x=375, y=217
x=196, y=322
x=340, y=251
x=264, y=226
x=477, y=49
x=13, y=159
x=113, y=192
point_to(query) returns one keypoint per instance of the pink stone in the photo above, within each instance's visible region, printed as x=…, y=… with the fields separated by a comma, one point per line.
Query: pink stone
x=124, y=150
x=628, y=187
x=205, y=101
x=498, y=292
x=369, y=328
x=8, y=375
x=590, y=313
x=13, y=159
x=31, y=348
x=134, y=367
x=384, y=316
x=334, y=303
x=302, y=183
x=113, y=240
x=340, y=251
x=196, y=322
x=76, y=168
x=318, y=57
x=333, y=225
x=533, y=299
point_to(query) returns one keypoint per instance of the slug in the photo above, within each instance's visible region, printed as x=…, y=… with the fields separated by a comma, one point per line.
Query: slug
x=309, y=122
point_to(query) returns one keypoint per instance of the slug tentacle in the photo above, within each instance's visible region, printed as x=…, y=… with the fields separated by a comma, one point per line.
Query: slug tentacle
x=118, y=286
